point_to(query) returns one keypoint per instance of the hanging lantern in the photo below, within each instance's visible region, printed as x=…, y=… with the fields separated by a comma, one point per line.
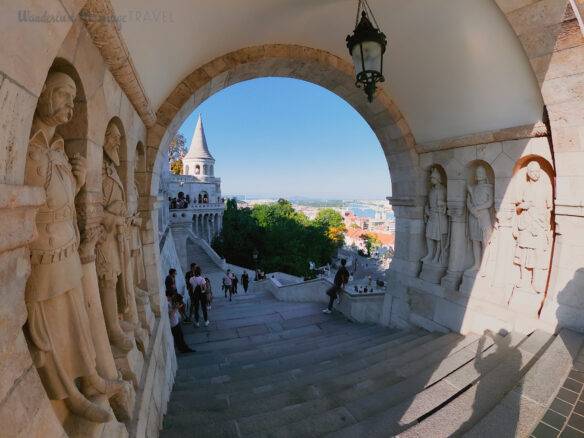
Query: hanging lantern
x=367, y=46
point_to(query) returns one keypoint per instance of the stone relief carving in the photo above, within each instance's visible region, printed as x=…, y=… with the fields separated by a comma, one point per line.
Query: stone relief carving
x=436, y=221
x=57, y=329
x=532, y=229
x=137, y=262
x=479, y=203
x=112, y=252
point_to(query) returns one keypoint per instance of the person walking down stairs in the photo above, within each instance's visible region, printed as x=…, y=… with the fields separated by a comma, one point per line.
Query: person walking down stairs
x=199, y=291
x=209, y=292
x=227, y=283
x=245, y=281
x=341, y=278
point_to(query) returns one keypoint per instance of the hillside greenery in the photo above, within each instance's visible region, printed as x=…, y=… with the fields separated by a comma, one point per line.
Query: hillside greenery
x=285, y=240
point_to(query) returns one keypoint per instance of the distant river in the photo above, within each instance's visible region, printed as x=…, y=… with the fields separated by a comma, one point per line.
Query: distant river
x=363, y=211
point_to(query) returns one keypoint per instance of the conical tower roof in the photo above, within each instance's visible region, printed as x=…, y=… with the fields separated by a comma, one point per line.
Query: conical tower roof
x=198, y=148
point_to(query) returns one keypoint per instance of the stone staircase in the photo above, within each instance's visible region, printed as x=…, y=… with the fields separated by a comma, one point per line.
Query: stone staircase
x=265, y=368
x=199, y=256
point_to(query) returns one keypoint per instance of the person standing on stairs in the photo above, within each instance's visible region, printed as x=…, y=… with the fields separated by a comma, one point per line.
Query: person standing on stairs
x=188, y=277
x=341, y=278
x=199, y=291
x=209, y=293
x=245, y=281
x=234, y=282
x=227, y=283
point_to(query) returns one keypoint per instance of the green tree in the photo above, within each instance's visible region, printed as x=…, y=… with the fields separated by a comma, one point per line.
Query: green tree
x=332, y=221
x=285, y=240
x=371, y=242
x=176, y=151
x=239, y=237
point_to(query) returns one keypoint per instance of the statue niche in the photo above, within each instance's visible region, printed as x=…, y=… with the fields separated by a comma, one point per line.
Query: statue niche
x=137, y=264
x=57, y=329
x=112, y=250
x=479, y=203
x=532, y=229
x=437, y=230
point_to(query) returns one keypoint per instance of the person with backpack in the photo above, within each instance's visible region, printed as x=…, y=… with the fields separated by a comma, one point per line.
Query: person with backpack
x=188, y=277
x=199, y=288
x=341, y=278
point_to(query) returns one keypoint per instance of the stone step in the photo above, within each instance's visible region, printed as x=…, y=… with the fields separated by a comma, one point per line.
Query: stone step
x=422, y=391
x=201, y=375
x=352, y=389
x=460, y=414
x=264, y=343
x=353, y=386
x=259, y=360
x=298, y=396
x=291, y=375
x=523, y=407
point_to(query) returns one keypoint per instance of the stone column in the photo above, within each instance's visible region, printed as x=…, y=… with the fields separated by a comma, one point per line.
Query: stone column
x=149, y=206
x=505, y=246
x=196, y=225
x=89, y=214
x=210, y=229
x=405, y=265
x=458, y=245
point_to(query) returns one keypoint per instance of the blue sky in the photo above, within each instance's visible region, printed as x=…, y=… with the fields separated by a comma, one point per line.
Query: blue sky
x=280, y=137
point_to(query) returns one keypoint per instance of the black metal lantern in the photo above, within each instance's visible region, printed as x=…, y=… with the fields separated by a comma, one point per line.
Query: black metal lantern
x=367, y=46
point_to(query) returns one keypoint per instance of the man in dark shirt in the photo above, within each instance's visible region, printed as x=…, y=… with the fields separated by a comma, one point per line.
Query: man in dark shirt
x=341, y=278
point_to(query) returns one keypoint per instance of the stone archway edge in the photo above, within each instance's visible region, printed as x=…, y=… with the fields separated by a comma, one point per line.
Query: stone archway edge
x=201, y=76
x=108, y=39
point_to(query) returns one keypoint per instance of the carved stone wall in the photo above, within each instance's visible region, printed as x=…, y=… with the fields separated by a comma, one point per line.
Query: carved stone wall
x=68, y=47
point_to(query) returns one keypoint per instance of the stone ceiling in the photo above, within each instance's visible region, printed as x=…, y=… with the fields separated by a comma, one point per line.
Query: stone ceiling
x=454, y=67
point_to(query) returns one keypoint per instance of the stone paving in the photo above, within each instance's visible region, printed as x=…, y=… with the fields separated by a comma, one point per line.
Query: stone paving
x=565, y=417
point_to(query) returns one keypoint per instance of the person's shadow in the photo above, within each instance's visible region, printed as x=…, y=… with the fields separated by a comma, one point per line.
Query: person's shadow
x=502, y=354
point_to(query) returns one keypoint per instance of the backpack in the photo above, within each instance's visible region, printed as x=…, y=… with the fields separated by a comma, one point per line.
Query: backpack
x=198, y=289
x=345, y=278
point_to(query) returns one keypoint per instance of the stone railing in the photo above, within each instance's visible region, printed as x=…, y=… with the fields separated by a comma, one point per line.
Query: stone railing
x=199, y=206
x=208, y=250
x=360, y=307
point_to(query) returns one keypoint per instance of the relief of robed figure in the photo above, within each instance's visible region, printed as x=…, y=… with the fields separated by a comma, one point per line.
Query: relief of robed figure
x=437, y=238
x=479, y=203
x=58, y=328
x=112, y=251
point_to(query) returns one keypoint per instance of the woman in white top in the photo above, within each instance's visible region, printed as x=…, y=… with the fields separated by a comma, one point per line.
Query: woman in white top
x=199, y=288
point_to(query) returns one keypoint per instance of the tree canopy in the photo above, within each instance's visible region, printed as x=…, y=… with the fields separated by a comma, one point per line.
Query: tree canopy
x=285, y=240
x=371, y=242
x=176, y=151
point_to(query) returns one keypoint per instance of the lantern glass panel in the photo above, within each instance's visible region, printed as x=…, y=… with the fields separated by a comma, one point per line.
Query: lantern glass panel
x=357, y=59
x=372, y=55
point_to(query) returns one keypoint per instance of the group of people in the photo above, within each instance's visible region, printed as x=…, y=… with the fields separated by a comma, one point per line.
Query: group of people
x=179, y=203
x=230, y=282
x=200, y=294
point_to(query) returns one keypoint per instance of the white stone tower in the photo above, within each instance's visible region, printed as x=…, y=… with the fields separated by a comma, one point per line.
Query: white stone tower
x=198, y=161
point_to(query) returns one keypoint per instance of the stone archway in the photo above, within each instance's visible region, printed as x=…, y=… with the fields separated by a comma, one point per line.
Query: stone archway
x=297, y=62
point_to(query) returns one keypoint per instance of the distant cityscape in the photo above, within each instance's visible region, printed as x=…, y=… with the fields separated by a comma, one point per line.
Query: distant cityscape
x=360, y=217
